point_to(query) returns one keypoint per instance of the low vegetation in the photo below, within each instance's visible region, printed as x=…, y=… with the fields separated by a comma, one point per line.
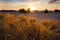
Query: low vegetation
x=21, y=27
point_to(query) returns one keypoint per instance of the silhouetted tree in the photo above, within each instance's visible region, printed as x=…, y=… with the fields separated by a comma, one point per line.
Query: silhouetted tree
x=22, y=10
x=57, y=10
x=46, y=11
x=28, y=9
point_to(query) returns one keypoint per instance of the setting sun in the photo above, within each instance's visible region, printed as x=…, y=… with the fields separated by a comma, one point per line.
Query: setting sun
x=32, y=8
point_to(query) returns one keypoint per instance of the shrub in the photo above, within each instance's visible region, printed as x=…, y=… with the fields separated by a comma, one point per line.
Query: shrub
x=22, y=11
x=46, y=11
x=24, y=28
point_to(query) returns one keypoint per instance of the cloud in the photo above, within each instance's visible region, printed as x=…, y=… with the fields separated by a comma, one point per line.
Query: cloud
x=55, y=1
x=18, y=1
x=16, y=4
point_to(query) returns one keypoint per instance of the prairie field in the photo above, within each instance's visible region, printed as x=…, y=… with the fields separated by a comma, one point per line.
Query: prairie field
x=29, y=26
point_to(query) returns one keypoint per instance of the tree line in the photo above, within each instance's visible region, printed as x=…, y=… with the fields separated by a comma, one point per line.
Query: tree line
x=28, y=10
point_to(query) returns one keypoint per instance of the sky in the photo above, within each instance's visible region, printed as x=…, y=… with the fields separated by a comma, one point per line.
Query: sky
x=38, y=4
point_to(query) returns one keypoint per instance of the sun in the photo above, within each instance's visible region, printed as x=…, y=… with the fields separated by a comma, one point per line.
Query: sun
x=32, y=8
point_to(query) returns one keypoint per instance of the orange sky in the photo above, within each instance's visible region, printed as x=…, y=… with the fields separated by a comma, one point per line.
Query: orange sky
x=38, y=4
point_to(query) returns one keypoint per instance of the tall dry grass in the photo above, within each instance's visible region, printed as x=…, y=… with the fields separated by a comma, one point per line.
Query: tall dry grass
x=21, y=27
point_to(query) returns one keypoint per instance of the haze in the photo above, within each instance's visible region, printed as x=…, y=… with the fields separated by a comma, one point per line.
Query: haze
x=38, y=4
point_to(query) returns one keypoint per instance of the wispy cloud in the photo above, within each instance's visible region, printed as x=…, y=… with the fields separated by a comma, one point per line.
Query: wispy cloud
x=39, y=4
x=16, y=4
x=55, y=1
x=18, y=1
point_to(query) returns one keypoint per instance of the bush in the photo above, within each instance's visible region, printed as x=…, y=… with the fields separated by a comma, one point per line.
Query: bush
x=46, y=11
x=22, y=11
x=24, y=28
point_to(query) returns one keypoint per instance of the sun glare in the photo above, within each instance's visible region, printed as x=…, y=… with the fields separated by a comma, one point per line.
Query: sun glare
x=32, y=8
